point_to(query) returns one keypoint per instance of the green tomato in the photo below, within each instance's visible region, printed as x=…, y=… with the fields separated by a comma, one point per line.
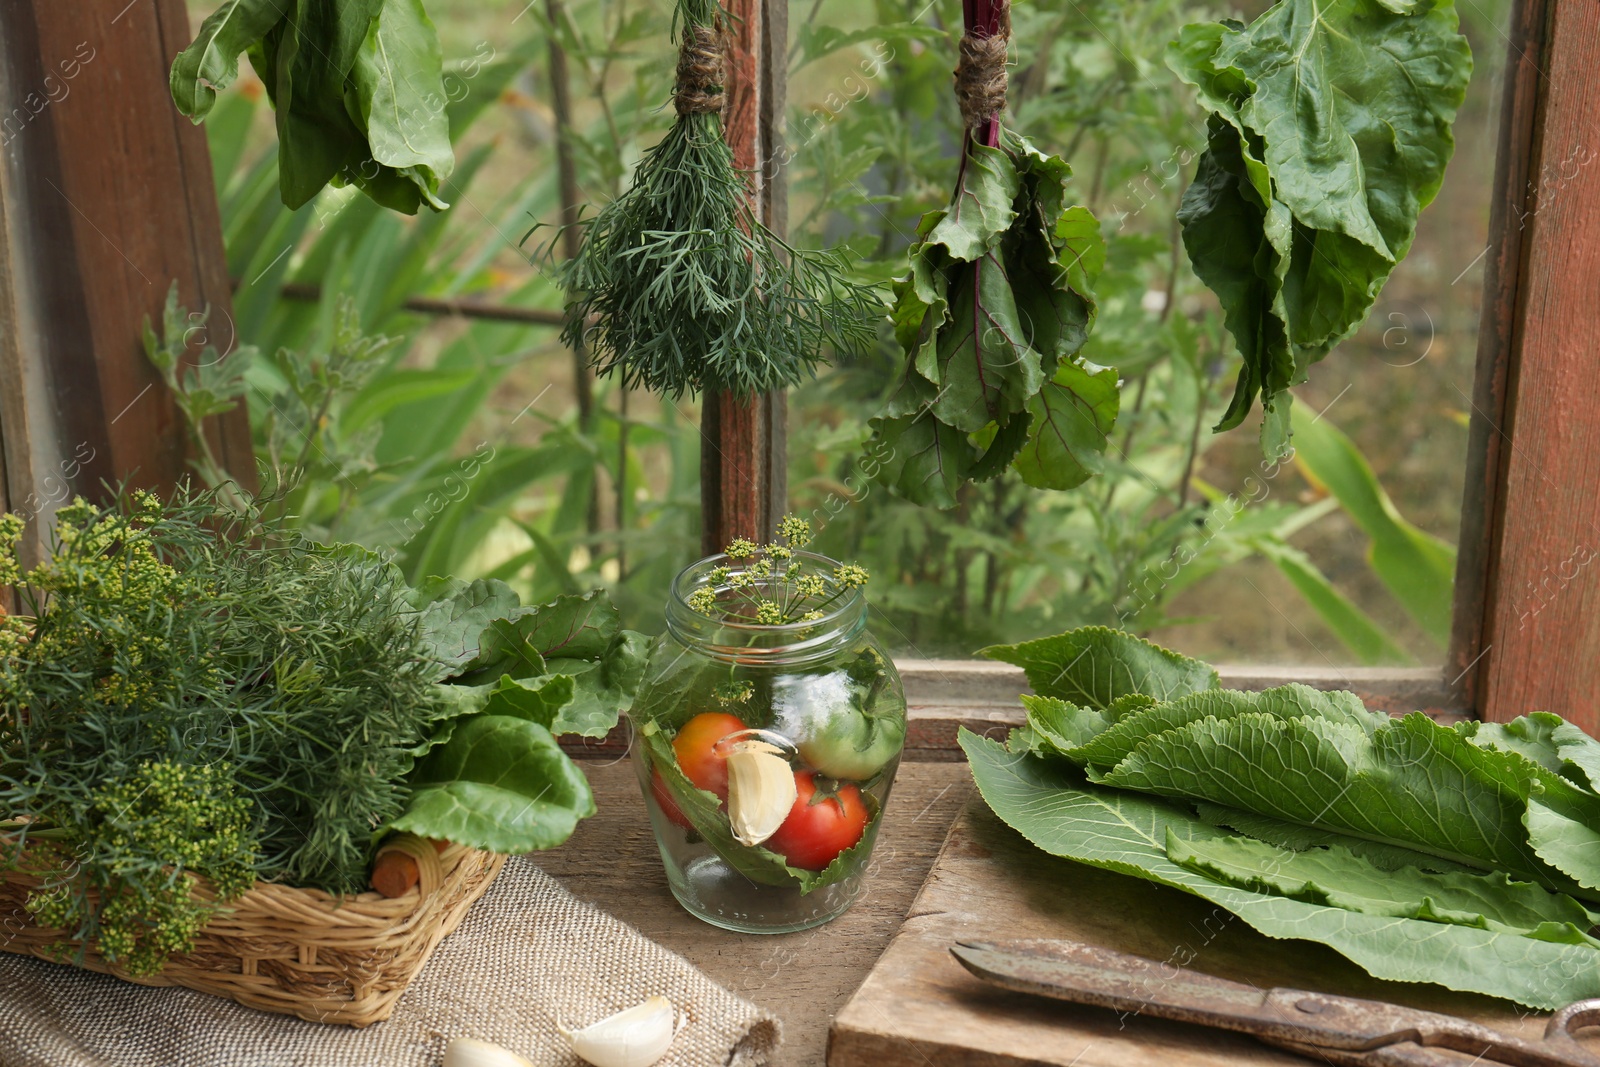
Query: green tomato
x=845, y=743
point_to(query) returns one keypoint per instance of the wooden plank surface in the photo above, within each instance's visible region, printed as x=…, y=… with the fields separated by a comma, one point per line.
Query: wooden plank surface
x=803, y=978
x=919, y=1007
x=1543, y=612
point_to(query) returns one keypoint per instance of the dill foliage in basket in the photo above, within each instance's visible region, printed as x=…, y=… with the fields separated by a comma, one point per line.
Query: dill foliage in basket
x=195, y=693
x=679, y=287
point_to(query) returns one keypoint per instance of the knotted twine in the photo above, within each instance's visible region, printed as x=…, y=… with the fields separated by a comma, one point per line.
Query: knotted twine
x=701, y=72
x=981, y=73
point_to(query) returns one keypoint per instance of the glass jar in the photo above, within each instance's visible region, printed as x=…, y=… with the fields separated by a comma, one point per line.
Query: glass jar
x=818, y=699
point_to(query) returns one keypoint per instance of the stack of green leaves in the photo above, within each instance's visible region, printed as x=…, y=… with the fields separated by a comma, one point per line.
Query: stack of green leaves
x=991, y=318
x=1465, y=856
x=680, y=288
x=198, y=693
x=491, y=774
x=358, y=88
x=1329, y=132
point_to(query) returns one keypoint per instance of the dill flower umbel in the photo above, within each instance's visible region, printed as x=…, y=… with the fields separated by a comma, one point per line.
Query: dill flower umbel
x=772, y=586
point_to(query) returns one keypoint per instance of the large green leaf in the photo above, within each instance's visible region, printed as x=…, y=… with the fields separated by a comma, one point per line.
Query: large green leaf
x=1329, y=134
x=1094, y=666
x=1072, y=416
x=455, y=614
x=211, y=62
x=500, y=783
x=1129, y=833
x=538, y=700
x=1534, y=737
x=398, y=78
x=566, y=664
x=987, y=367
x=1461, y=802
x=982, y=211
x=1336, y=876
x=1577, y=749
x=1224, y=220
x=1110, y=747
x=1418, y=568
x=317, y=141
x=925, y=460
x=602, y=690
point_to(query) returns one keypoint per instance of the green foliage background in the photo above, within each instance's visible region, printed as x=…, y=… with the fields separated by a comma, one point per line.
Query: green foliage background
x=457, y=443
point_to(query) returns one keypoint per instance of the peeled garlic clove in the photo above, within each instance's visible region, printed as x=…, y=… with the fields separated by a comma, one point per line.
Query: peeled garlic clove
x=470, y=1052
x=637, y=1037
x=761, y=791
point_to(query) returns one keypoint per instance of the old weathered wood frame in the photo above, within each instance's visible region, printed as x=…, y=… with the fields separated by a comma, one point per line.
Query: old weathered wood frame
x=1527, y=612
x=744, y=443
x=106, y=195
x=106, y=199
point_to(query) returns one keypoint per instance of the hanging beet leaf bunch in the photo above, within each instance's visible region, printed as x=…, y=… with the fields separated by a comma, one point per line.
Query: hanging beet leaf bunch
x=994, y=311
x=358, y=87
x=679, y=287
x=1329, y=133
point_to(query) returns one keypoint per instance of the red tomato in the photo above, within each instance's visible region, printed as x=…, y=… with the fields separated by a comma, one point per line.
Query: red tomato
x=819, y=827
x=664, y=801
x=702, y=761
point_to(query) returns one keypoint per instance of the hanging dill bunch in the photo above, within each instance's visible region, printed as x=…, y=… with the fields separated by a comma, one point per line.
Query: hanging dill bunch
x=679, y=287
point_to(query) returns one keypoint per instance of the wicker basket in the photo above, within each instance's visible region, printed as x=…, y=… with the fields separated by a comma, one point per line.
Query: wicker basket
x=302, y=951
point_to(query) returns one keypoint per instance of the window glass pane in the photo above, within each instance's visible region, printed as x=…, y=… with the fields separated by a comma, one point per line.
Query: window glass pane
x=1137, y=546
x=1158, y=542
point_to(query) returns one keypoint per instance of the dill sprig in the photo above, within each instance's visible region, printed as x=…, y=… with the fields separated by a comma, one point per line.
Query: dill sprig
x=327, y=663
x=769, y=584
x=680, y=288
x=195, y=691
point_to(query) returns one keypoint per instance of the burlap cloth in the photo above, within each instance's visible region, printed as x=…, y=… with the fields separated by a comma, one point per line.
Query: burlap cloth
x=527, y=955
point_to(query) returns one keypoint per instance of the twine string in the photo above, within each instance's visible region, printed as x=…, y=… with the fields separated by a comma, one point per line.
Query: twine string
x=981, y=73
x=701, y=75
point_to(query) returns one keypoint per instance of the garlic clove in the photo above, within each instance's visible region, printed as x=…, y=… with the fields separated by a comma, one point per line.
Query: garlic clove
x=636, y=1037
x=761, y=791
x=470, y=1052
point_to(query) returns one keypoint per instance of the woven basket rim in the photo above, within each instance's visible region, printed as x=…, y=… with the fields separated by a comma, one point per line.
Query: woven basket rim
x=302, y=952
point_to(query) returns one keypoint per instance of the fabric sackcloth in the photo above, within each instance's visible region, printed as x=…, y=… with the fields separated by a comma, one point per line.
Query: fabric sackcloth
x=527, y=956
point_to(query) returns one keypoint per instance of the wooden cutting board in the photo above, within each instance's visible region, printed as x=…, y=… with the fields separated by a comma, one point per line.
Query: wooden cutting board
x=920, y=1008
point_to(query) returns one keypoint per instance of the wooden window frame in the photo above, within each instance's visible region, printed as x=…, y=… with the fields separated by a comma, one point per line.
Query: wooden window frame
x=97, y=199
x=106, y=196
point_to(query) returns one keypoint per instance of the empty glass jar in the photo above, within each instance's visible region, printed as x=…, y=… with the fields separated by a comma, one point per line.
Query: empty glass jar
x=766, y=750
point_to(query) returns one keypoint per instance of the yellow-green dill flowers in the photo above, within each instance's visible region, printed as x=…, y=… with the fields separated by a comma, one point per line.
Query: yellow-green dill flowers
x=850, y=575
x=772, y=584
x=811, y=585
x=795, y=530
